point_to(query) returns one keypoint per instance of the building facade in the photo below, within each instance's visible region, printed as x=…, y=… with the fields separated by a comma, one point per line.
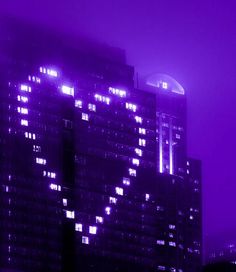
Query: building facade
x=94, y=173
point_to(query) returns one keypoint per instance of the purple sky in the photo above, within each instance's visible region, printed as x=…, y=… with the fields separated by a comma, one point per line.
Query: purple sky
x=193, y=41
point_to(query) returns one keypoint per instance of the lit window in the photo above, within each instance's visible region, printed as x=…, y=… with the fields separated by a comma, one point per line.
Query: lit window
x=36, y=148
x=22, y=110
x=139, y=152
x=161, y=268
x=171, y=235
x=173, y=244
x=187, y=163
x=99, y=219
x=112, y=200
x=92, y=107
x=119, y=191
x=78, y=104
x=102, y=98
x=172, y=269
x=126, y=181
x=23, y=99
x=70, y=214
x=188, y=171
x=130, y=106
x=24, y=122
x=85, y=116
x=171, y=226
x=142, y=131
x=67, y=90
x=25, y=88
x=138, y=119
x=55, y=187
x=177, y=136
x=164, y=85
x=34, y=79
x=78, y=227
x=117, y=92
x=135, y=162
x=161, y=242
x=142, y=142
x=191, y=217
x=85, y=240
x=132, y=172
x=52, y=73
x=92, y=229
x=40, y=161
x=108, y=210
x=147, y=197
x=64, y=202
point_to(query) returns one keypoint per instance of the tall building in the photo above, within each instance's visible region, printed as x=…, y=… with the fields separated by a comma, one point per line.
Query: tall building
x=94, y=173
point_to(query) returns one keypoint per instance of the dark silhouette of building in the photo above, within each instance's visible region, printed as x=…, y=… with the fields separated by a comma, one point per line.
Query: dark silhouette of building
x=220, y=267
x=94, y=173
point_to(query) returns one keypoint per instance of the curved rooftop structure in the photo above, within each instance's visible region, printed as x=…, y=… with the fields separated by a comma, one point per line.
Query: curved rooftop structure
x=165, y=82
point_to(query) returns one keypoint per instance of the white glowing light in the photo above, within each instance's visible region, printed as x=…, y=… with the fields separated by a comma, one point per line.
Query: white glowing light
x=78, y=227
x=130, y=106
x=25, y=88
x=70, y=214
x=24, y=122
x=92, y=229
x=117, y=92
x=67, y=90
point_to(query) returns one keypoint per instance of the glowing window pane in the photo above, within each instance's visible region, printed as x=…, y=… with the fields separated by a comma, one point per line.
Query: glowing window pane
x=40, y=161
x=108, y=210
x=78, y=227
x=92, y=107
x=164, y=85
x=64, y=202
x=67, y=90
x=24, y=122
x=138, y=119
x=142, y=131
x=132, y=172
x=126, y=181
x=85, y=240
x=22, y=110
x=85, y=116
x=112, y=200
x=102, y=98
x=130, y=106
x=173, y=244
x=25, y=88
x=70, y=214
x=119, y=191
x=78, y=104
x=135, y=162
x=99, y=219
x=139, y=152
x=21, y=98
x=92, y=229
x=55, y=187
x=161, y=242
x=147, y=197
x=52, y=73
x=171, y=226
x=117, y=92
x=142, y=142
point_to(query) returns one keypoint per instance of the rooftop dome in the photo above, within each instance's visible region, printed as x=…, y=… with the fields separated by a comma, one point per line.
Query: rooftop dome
x=165, y=82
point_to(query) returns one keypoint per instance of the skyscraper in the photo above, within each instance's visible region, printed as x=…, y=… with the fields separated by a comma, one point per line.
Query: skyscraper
x=94, y=173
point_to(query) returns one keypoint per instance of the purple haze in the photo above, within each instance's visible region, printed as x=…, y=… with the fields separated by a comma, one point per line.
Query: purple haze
x=192, y=41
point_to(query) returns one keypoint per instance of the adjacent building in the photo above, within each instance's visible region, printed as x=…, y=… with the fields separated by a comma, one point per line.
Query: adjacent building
x=94, y=172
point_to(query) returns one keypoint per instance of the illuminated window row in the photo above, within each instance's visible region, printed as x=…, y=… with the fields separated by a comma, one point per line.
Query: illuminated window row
x=118, y=92
x=30, y=135
x=49, y=174
x=24, y=122
x=22, y=110
x=22, y=98
x=34, y=79
x=25, y=88
x=67, y=90
x=130, y=106
x=49, y=72
x=102, y=98
x=41, y=161
x=55, y=187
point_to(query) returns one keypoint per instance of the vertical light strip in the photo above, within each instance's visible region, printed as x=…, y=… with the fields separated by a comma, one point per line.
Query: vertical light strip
x=160, y=146
x=171, y=146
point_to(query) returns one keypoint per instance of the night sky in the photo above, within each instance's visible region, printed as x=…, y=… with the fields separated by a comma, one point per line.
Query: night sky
x=194, y=42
